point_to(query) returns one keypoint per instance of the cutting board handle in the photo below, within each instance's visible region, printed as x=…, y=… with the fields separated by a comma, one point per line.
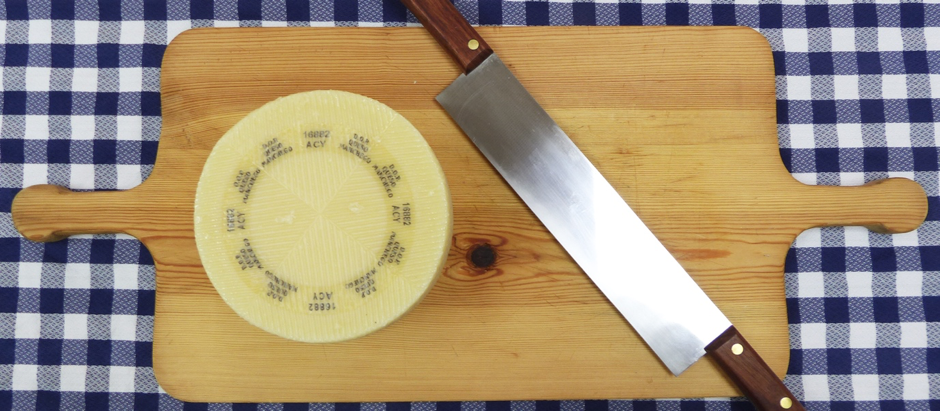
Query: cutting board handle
x=47, y=213
x=894, y=205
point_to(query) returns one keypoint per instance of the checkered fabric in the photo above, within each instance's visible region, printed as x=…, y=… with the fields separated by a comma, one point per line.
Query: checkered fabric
x=858, y=100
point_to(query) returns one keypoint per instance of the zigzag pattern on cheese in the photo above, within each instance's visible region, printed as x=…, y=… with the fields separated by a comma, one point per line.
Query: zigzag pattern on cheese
x=322, y=216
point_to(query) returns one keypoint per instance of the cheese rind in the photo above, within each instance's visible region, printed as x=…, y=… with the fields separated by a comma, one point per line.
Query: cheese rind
x=322, y=216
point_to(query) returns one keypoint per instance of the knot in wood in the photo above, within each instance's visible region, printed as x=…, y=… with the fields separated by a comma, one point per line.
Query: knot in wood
x=482, y=256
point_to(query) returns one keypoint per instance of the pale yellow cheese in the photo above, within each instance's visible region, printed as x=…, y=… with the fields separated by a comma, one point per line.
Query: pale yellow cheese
x=322, y=216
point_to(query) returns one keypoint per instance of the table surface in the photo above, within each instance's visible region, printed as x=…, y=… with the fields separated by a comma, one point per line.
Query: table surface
x=858, y=100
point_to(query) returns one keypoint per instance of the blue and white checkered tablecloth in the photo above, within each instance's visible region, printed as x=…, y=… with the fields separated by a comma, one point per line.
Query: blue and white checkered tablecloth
x=858, y=100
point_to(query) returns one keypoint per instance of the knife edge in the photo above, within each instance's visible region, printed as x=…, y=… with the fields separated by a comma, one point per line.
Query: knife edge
x=584, y=213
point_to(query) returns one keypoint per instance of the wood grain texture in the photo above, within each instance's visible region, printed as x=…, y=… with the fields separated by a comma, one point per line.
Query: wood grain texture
x=744, y=366
x=451, y=30
x=681, y=120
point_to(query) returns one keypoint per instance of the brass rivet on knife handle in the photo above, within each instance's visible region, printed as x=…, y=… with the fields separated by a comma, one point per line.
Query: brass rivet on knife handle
x=449, y=28
x=750, y=373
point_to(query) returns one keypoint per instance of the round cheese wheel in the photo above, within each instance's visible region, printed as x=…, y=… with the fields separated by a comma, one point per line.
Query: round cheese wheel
x=322, y=216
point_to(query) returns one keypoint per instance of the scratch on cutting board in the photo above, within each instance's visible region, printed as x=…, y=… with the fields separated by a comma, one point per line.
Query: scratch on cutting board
x=189, y=139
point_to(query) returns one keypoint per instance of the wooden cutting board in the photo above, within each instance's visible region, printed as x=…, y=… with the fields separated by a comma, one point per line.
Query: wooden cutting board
x=680, y=120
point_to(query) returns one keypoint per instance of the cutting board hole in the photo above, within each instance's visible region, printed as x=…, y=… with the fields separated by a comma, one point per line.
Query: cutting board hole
x=482, y=256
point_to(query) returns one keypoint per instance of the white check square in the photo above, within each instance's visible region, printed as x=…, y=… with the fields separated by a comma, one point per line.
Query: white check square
x=933, y=39
x=72, y=378
x=856, y=236
x=27, y=326
x=802, y=136
x=862, y=335
x=25, y=377
x=36, y=126
x=813, y=336
x=38, y=79
x=798, y=88
x=816, y=388
x=86, y=32
x=84, y=79
x=810, y=238
x=810, y=284
x=40, y=31
x=75, y=326
x=916, y=387
x=898, y=134
x=77, y=276
x=894, y=86
x=121, y=379
x=914, y=335
x=843, y=39
x=130, y=128
x=130, y=79
x=35, y=174
x=132, y=32
x=866, y=387
x=909, y=283
x=890, y=39
x=29, y=275
x=805, y=178
x=82, y=176
x=175, y=27
x=125, y=276
x=124, y=327
x=83, y=127
x=859, y=284
x=846, y=87
x=852, y=178
x=129, y=176
x=795, y=40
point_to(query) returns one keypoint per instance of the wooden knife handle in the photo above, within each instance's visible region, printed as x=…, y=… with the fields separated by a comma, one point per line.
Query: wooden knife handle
x=750, y=373
x=449, y=27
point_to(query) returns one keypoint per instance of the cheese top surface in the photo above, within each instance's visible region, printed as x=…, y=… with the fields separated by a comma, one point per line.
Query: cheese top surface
x=322, y=216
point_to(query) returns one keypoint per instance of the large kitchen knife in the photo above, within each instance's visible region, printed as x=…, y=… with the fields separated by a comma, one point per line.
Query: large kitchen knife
x=587, y=216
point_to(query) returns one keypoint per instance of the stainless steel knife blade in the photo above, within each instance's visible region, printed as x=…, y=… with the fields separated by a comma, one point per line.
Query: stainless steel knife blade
x=584, y=213
x=587, y=216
